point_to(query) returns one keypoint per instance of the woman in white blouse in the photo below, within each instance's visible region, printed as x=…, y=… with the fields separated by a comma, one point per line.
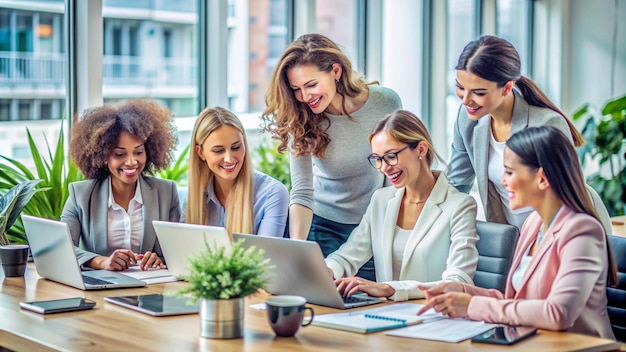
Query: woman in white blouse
x=421, y=231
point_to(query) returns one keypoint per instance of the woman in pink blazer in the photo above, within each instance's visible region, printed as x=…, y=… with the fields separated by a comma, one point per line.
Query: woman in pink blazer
x=562, y=262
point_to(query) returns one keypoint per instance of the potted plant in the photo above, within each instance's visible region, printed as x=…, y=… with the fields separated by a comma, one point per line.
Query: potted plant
x=56, y=172
x=606, y=142
x=220, y=278
x=14, y=256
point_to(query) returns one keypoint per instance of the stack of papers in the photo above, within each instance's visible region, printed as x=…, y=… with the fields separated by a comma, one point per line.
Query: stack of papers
x=151, y=276
x=402, y=317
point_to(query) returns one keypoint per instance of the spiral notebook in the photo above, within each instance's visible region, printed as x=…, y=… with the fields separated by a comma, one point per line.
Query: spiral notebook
x=366, y=321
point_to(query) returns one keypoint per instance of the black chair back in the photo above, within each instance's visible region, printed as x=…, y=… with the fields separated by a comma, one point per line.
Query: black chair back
x=617, y=295
x=495, y=253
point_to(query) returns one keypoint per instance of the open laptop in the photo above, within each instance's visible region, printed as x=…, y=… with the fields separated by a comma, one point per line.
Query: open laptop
x=299, y=269
x=53, y=252
x=179, y=241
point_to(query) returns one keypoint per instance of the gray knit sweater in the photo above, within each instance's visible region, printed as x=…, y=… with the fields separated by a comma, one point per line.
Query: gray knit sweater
x=339, y=187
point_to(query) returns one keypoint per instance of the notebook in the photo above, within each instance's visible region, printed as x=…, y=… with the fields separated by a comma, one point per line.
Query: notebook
x=53, y=253
x=179, y=241
x=366, y=321
x=299, y=269
x=156, y=304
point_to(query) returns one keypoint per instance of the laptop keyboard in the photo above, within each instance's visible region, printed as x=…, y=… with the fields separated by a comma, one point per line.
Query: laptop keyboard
x=93, y=281
x=355, y=299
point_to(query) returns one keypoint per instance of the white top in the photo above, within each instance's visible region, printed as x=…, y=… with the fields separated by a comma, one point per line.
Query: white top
x=441, y=246
x=125, y=228
x=495, y=170
x=518, y=274
x=400, y=238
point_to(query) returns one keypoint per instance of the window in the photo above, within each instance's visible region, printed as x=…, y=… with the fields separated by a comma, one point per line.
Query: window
x=513, y=23
x=462, y=28
x=32, y=61
x=24, y=109
x=257, y=38
x=150, y=52
x=338, y=20
x=5, y=109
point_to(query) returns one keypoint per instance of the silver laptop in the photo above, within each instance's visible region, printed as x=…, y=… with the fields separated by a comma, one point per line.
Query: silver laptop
x=179, y=241
x=299, y=269
x=53, y=252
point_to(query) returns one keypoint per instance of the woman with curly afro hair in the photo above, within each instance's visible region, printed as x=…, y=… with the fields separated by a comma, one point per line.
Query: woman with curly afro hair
x=110, y=215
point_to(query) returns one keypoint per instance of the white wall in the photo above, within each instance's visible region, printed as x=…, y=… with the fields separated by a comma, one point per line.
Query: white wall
x=590, y=53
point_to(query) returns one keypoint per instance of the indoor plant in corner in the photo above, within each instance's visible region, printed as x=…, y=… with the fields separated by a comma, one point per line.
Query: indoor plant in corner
x=220, y=278
x=606, y=144
x=14, y=256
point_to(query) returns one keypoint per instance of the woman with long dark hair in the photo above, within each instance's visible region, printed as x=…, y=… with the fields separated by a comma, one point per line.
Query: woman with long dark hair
x=562, y=263
x=497, y=101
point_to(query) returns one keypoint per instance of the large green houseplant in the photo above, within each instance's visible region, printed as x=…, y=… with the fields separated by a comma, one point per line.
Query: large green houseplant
x=56, y=172
x=220, y=277
x=605, y=135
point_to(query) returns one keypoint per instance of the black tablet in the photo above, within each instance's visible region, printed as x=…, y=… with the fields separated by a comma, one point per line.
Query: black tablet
x=156, y=304
x=59, y=305
x=505, y=335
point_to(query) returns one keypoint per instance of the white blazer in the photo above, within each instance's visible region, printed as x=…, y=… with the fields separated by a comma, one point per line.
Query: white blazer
x=441, y=247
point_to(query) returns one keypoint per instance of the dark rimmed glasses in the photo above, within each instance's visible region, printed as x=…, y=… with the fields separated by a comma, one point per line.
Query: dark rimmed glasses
x=390, y=159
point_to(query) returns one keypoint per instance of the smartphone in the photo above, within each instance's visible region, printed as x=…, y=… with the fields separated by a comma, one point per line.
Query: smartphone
x=59, y=305
x=505, y=335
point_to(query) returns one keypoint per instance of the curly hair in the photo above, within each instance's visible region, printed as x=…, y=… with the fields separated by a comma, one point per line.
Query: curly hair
x=287, y=118
x=95, y=135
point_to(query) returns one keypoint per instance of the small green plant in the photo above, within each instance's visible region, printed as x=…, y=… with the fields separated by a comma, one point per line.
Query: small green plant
x=56, y=173
x=606, y=142
x=11, y=205
x=219, y=272
x=273, y=163
x=177, y=172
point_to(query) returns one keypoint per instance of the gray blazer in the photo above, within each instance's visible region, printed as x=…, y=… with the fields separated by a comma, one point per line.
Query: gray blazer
x=470, y=150
x=86, y=213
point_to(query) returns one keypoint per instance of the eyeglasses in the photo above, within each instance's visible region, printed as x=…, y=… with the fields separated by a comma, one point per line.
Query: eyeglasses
x=390, y=158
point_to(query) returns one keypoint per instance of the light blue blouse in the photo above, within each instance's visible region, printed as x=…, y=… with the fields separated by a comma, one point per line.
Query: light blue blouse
x=271, y=206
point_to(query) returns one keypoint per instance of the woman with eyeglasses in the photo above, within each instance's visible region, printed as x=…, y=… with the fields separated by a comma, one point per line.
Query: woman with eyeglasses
x=421, y=230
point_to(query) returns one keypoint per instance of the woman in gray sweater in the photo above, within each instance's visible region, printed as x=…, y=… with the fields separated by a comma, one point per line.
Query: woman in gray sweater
x=323, y=111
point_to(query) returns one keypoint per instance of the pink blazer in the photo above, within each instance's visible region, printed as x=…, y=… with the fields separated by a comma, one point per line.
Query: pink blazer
x=564, y=287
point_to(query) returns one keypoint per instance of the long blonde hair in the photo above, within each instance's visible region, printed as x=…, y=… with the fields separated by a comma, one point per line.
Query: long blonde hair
x=239, y=213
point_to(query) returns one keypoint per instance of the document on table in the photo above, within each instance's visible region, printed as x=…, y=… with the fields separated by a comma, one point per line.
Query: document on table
x=151, y=276
x=371, y=320
x=440, y=328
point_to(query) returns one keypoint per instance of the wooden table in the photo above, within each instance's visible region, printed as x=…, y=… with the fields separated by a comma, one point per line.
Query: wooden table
x=619, y=225
x=112, y=328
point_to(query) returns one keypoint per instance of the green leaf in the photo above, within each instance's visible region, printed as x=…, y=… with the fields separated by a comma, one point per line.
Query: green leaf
x=221, y=273
x=55, y=174
x=177, y=172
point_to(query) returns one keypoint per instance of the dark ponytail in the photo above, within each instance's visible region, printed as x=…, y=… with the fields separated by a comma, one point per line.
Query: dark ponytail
x=534, y=96
x=496, y=60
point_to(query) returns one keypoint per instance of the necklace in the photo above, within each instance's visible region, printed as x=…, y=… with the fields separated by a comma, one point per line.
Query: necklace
x=420, y=202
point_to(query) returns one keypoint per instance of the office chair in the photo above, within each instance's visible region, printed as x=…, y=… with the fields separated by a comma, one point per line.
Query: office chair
x=495, y=253
x=616, y=296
